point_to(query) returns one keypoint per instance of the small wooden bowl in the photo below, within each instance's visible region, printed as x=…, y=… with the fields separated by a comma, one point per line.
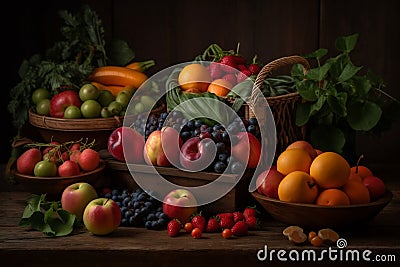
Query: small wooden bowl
x=54, y=186
x=64, y=130
x=316, y=216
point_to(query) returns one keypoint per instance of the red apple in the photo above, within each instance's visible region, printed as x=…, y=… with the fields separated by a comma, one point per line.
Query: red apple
x=26, y=161
x=76, y=196
x=62, y=100
x=197, y=154
x=247, y=149
x=128, y=138
x=162, y=147
x=89, y=159
x=180, y=204
x=102, y=216
x=375, y=186
x=68, y=168
x=268, y=182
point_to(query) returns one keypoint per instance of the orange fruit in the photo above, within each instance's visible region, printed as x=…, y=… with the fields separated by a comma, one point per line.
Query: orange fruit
x=297, y=187
x=196, y=76
x=355, y=176
x=357, y=192
x=304, y=145
x=332, y=197
x=330, y=170
x=294, y=159
x=361, y=170
x=220, y=87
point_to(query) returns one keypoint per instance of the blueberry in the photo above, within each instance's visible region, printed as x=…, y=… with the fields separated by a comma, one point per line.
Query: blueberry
x=222, y=157
x=148, y=225
x=219, y=167
x=253, y=121
x=151, y=217
x=237, y=167
x=190, y=124
x=197, y=123
x=128, y=214
x=148, y=204
x=220, y=147
x=251, y=129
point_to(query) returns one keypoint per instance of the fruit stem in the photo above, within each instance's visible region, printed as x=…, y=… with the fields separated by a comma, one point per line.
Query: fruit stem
x=358, y=162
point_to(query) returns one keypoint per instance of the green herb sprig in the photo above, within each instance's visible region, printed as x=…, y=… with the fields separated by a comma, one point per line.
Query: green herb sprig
x=340, y=100
x=47, y=217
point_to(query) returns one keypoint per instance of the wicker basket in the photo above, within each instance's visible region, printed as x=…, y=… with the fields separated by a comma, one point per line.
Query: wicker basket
x=283, y=107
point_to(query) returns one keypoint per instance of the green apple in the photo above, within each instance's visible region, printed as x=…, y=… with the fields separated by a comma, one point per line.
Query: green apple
x=76, y=196
x=102, y=216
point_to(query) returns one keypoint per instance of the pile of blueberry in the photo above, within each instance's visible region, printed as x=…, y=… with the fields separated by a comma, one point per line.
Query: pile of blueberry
x=139, y=209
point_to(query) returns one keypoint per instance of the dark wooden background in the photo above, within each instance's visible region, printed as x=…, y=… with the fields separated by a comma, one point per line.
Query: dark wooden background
x=175, y=31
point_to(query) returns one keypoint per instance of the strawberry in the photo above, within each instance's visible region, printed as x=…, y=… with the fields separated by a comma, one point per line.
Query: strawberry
x=215, y=70
x=239, y=60
x=252, y=222
x=212, y=225
x=199, y=221
x=243, y=75
x=240, y=229
x=230, y=77
x=226, y=220
x=228, y=64
x=254, y=68
x=238, y=216
x=241, y=67
x=250, y=211
x=173, y=227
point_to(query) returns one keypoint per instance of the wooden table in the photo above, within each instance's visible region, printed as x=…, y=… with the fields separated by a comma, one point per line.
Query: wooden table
x=129, y=246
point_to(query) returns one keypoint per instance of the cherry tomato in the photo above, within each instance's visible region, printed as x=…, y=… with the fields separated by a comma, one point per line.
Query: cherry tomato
x=227, y=233
x=188, y=227
x=196, y=233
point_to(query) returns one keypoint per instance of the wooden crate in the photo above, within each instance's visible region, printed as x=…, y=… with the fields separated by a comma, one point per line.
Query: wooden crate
x=236, y=199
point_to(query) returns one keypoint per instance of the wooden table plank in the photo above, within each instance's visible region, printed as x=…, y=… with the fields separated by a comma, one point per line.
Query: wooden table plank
x=129, y=246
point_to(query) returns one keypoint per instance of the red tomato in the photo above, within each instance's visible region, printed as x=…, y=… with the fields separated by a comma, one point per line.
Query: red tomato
x=196, y=233
x=227, y=233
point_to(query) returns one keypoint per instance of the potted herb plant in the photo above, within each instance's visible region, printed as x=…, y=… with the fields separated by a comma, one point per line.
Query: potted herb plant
x=341, y=100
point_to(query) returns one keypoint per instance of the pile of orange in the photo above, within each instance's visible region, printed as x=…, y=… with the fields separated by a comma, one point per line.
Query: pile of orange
x=322, y=178
x=195, y=78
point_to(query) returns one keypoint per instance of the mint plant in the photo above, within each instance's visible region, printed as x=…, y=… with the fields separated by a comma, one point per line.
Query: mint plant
x=339, y=100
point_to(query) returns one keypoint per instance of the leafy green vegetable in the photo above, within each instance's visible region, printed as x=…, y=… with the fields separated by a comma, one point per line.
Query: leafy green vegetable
x=47, y=217
x=339, y=100
x=68, y=63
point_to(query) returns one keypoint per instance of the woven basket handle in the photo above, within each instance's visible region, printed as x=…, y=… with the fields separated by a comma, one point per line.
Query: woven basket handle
x=273, y=65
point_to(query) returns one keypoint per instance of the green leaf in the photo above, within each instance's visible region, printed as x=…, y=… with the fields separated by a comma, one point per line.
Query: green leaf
x=348, y=72
x=319, y=73
x=337, y=103
x=302, y=113
x=328, y=138
x=363, y=116
x=308, y=89
x=119, y=53
x=297, y=71
x=317, y=106
x=346, y=43
x=318, y=54
x=362, y=85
